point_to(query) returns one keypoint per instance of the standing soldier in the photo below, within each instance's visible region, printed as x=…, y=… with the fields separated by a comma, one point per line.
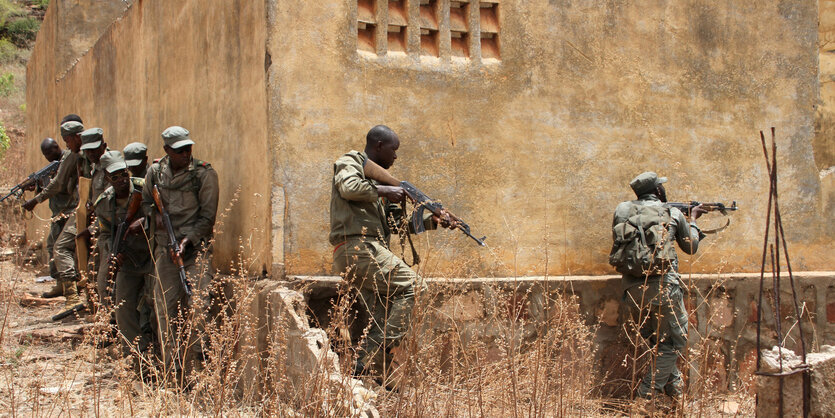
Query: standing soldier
x=653, y=293
x=136, y=157
x=120, y=203
x=188, y=191
x=94, y=147
x=66, y=181
x=363, y=214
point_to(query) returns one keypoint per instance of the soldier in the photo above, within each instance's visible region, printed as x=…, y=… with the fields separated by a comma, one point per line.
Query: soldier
x=136, y=157
x=133, y=261
x=655, y=299
x=363, y=215
x=66, y=182
x=94, y=147
x=188, y=190
x=61, y=204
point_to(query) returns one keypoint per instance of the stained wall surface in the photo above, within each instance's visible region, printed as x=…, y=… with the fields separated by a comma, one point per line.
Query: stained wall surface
x=166, y=63
x=536, y=148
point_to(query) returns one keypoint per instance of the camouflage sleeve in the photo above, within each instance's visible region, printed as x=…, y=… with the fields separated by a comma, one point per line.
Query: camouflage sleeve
x=687, y=235
x=147, y=196
x=207, y=199
x=59, y=183
x=350, y=182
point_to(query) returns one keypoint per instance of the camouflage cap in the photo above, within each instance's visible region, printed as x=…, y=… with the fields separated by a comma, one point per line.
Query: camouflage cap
x=135, y=152
x=113, y=161
x=646, y=182
x=91, y=138
x=71, y=128
x=176, y=137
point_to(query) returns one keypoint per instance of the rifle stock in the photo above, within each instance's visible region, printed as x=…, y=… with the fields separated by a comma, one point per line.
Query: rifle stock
x=173, y=246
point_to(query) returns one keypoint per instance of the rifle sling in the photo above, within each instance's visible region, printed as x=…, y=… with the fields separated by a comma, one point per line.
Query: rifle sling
x=415, y=256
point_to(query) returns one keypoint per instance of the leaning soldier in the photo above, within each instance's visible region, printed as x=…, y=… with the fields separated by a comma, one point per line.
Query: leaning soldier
x=363, y=215
x=66, y=181
x=188, y=190
x=132, y=261
x=655, y=298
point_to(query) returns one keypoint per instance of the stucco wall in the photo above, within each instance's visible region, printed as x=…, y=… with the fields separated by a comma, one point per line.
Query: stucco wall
x=536, y=150
x=165, y=63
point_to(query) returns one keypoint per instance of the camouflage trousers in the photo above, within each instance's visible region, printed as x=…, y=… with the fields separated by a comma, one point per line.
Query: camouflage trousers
x=64, y=252
x=658, y=312
x=181, y=320
x=55, y=228
x=386, y=287
x=126, y=290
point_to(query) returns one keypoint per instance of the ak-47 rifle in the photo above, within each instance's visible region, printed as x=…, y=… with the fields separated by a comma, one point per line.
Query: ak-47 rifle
x=173, y=245
x=134, y=204
x=686, y=208
x=373, y=171
x=35, y=178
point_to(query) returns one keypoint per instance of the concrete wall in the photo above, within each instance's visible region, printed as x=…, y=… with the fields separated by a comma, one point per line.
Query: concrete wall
x=537, y=148
x=166, y=63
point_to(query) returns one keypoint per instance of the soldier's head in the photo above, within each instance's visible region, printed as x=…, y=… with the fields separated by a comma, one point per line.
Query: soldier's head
x=136, y=157
x=93, y=145
x=381, y=145
x=649, y=183
x=116, y=171
x=71, y=133
x=177, y=147
x=50, y=149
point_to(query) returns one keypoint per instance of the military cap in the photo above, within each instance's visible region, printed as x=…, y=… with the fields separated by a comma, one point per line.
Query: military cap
x=113, y=161
x=91, y=138
x=71, y=128
x=176, y=137
x=646, y=182
x=135, y=152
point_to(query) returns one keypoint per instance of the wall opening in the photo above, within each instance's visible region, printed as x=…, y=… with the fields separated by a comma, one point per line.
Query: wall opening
x=397, y=38
x=489, y=23
x=367, y=25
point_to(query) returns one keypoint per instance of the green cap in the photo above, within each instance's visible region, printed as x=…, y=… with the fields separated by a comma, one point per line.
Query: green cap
x=71, y=128
x=646, y=182
x=176, y=137
x=91, y=138
x=113, y=161
x=134, y=153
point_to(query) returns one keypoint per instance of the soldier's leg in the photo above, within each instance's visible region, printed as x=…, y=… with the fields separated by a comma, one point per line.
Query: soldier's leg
x=104, y=281
x=145, y=308
x=169, y=301
x=128, y=291
x=667, y=324
x=55, y=228
x=200, y=275
x=64, y=256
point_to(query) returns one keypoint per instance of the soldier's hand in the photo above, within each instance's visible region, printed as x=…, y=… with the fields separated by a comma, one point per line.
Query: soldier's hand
x=30, y=204
x=31, y=186
x=135, y=227
x=394, y=194
x=697, y=211
x=444, y=219
x=183, y=243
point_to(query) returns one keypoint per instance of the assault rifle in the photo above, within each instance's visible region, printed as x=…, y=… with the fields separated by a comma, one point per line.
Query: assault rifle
x=373, y=171
x=686, y=208
x=35, y=178
x=119, y=238
x=173, y=245
x=708, y=207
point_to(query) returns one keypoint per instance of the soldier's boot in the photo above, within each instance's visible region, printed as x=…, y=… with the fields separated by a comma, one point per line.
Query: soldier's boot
x=57, y=290
x=73, y=303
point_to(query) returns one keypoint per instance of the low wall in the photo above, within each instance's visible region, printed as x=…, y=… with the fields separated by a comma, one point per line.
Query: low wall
x=722, y=307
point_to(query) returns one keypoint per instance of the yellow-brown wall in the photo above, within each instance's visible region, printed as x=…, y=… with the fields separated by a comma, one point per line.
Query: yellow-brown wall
x=536, y=150
x=193, y=63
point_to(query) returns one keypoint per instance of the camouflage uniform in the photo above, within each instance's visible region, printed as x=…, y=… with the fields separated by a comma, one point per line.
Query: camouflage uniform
x=656, y=302
x=190, y=196
x=361, y=228
x=63, y=199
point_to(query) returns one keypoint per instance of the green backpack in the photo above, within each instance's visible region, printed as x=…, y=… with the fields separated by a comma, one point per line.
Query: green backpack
x=643, y=244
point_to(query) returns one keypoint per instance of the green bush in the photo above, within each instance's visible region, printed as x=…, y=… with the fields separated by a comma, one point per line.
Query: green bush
x=8, y=10
x=43, y=4
x=5, y=142
x=7, y=84
x=8, y=51
x=22, y=31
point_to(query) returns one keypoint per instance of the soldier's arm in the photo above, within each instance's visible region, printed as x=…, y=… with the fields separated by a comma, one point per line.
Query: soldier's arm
x=688, y=234
x=350, y=182
x=65, y=170
x=147, y=196
x=208, y=197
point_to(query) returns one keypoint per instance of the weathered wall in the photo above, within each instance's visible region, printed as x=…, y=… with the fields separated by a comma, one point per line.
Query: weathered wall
x=188, y=63
x=535, y=150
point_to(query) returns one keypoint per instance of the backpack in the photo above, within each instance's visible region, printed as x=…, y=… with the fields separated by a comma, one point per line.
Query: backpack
x=643, y=244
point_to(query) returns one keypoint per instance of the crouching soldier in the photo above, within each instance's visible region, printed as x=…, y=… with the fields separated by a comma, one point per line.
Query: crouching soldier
x=124, y=246
x=188, y=192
